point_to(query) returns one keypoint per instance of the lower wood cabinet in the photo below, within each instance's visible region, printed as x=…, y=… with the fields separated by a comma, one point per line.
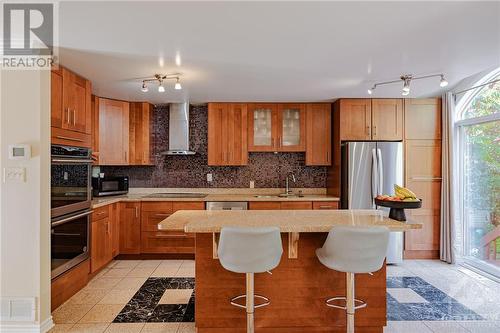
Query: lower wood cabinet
x=101, y=238
x=130, y=227
x=291, y=205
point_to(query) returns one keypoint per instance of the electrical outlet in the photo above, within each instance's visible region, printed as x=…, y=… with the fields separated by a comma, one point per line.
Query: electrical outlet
x=252, y=184
x=209, y=177
x=15, y=174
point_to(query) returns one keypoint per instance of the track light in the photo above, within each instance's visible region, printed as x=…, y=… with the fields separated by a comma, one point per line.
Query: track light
x=443, y=83
x=161, y=88
x=405, y=92
x=177, y=85
x=406, y=85
x=370, y=91
x=144, y=87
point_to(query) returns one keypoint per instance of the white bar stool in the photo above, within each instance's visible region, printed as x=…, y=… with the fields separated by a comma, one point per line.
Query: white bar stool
x=353, y=250
x=250, y=250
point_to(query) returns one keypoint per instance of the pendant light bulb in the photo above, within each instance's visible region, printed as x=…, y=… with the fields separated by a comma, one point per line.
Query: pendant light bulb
x=406, y=86
x=144, y=87
x=161, y=88
x=177, y=85
x=443, y=83
x=405, y=92
x=370, y=92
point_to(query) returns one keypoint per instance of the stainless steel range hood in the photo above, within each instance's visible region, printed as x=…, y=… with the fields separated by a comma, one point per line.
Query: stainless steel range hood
x=178, y=130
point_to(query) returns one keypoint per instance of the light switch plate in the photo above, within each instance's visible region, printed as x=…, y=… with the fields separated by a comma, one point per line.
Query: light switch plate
x=15, y=174
x=252, y=184
x=209, y=177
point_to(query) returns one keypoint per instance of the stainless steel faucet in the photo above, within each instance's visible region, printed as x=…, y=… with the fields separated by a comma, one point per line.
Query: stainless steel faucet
x=288, y=191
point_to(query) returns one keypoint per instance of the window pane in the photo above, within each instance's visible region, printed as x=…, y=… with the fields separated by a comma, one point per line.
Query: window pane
x=486, y=102
x=482, y=191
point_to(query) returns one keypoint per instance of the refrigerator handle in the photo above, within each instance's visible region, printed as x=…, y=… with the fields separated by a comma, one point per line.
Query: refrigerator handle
x=374, y=174
x=380, y=166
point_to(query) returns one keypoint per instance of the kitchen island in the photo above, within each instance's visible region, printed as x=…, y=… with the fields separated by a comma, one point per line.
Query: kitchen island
x=300, y=284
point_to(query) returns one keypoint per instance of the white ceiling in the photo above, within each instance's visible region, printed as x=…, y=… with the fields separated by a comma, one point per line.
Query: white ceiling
x=279, y=51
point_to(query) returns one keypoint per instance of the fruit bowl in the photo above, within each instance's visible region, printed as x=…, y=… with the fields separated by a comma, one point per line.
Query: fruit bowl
x=397, y=211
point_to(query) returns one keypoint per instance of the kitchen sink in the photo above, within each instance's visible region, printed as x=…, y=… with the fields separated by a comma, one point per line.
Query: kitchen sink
x=176, y=195
x=282, y=195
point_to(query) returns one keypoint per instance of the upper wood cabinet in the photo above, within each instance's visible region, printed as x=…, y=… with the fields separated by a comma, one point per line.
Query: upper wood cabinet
x=276, y=127
x=319, y=134
x=140, y=123
x=423, y=119
x=227, y=134
x=113, y=132
x=70, y=108
x=371, y=119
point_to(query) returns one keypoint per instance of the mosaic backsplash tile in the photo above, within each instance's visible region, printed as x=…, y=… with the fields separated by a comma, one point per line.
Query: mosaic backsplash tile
x=268, y=170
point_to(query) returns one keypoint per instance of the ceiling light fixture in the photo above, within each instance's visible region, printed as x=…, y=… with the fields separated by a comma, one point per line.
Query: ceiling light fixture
x=160, y=78
x=177, y=85
x=407, y=78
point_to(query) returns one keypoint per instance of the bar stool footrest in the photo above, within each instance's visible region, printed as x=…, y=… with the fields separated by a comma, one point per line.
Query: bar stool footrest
x=329, y=303
x=256, y=306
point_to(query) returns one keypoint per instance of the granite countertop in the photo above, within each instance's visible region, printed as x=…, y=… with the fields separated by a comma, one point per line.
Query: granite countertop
x=228, y=195
x=192, y=221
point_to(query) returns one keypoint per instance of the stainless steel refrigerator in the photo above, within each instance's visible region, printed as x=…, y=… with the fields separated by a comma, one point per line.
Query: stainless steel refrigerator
x=370, y=169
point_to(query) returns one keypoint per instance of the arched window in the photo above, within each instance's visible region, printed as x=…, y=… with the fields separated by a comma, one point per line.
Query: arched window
x=478, y=129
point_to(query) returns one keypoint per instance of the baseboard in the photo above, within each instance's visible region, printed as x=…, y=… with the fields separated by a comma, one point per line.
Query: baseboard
x=421, y=254
x=11, y=327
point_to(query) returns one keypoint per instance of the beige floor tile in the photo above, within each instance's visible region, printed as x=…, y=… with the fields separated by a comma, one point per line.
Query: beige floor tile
x=130, y=283
x=88, y=328
x=88, y=296
x=101, y=272
x=141, y=272
x=150, y=263
x=60, y=328
x=126, y=263
x=185, y=272
x=176, y=296
x=170, y=263
x=103, y=283
x=70, y=313
x=165, y=271
x=160, y=328
x=188, y=264
x=186, y=328
x=124, y=328
x=117, y=297
x=116, y=272
x=112, y=264
x=102, y=313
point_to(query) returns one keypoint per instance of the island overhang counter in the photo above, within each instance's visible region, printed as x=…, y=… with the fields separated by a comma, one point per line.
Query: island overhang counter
x=298, y=287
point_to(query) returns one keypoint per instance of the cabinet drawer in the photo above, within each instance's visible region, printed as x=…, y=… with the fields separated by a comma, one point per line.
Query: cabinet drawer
x=150, y=219
x=188, y=205
x=70, y=138
x=325, y=205
x=157, y=206
x=100, y=213
x=167, y=242
x=264, y=205
x=296, y=205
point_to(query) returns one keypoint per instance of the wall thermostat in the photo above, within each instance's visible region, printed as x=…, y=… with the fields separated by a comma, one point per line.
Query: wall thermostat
x=19, y=152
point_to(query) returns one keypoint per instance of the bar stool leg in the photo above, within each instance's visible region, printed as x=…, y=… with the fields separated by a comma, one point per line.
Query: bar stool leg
x=250, y=302
x=350, y=302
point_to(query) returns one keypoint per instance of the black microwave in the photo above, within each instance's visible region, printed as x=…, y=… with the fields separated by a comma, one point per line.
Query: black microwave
x=109, y=186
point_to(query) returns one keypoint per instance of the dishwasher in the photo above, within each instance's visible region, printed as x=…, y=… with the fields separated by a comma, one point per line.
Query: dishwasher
x=227, y=205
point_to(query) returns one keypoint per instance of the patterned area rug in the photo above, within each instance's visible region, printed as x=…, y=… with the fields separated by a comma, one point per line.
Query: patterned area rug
x=409, y=298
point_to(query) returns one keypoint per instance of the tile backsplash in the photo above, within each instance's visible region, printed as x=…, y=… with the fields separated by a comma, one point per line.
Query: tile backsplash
x=266, y=169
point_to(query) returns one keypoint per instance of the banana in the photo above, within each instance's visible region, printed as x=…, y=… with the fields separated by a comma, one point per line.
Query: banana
x=403, y=192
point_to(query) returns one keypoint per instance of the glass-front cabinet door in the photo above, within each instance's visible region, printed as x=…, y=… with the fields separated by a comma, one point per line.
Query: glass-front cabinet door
x=262, y=120
x=292, y=122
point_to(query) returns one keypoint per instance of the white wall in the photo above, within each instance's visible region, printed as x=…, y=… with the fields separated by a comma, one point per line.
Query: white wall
x=25, y=206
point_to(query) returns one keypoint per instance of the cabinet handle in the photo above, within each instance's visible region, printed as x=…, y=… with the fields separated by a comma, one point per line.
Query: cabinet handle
x=272, y=142
x=325, y=207
x=68, y=138
x=125, y=153
x=162, y=214
x=74, y=117
x=136, y=212
x=368, y=130
x=67, y=116
x=328, y=156
x=374, y=130
x=280, y=142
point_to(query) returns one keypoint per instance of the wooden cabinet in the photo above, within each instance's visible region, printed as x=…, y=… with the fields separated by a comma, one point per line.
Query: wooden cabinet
x=423, y=119
x=70, y=109
x=130, y=228
x=319, y=134
x=114, y=225
x=371, y=119
x=113, y=132
x=387, y=119
x=292, y=205
x=100, y=245
x=140, y=122
x=227, y=134
x=276, y=127
x=155, y=241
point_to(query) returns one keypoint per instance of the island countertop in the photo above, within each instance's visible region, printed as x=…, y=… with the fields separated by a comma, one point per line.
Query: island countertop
x=197, y=221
